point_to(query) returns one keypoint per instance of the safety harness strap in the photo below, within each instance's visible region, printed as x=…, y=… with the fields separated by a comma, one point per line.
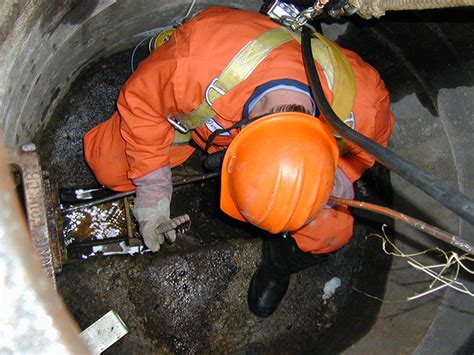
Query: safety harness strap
x=241, y=66
x=338, y=72
x=336, y=68
x=344, y=82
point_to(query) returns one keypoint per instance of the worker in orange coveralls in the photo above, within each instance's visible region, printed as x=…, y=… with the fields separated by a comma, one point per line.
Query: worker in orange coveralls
x=217, y=73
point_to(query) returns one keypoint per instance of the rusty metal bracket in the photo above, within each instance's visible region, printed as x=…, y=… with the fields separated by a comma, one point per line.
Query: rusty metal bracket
x=40, y=213
x=55, y=223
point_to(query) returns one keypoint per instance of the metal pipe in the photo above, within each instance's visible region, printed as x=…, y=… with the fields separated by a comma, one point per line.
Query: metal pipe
x=440, y=234
x=95, y=242
x=183, y=181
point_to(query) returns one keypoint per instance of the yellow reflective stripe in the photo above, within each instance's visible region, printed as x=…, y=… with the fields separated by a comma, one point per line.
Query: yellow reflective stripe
x=338, y=73
x=197, y=117
x=239, y=69
x=248, y=58
x=181, y=138
x=341, y=145
x=334, y=63
x=321, y=56
x=344, y=88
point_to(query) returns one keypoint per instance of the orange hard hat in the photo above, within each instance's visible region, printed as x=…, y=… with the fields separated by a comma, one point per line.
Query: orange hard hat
x=278, y=171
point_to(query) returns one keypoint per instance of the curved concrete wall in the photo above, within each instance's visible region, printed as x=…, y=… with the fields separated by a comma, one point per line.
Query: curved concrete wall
x=45, y=44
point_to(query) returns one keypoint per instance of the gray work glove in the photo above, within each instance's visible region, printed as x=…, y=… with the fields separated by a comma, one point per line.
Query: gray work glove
x=152, y=206
x=342, y=187
x=151, y=218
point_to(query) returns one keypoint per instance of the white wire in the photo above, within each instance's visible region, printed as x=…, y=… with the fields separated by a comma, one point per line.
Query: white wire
x=441, y=279
x=189, y=10
x=451, y=258
x=180, y=21
x=132, y=57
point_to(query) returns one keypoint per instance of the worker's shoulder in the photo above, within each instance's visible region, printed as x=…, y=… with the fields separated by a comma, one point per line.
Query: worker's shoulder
x=227, y=21
x=227, y=15
x=368, y=79
x=360, y=67
x=216, y=34
x=371, y=97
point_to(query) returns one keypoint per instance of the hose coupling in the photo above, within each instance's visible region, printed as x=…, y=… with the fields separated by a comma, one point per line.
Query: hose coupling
x=345, y=10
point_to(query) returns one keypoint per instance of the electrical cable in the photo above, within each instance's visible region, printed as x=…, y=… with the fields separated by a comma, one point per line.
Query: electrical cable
x=190, y=8
x=451, y=198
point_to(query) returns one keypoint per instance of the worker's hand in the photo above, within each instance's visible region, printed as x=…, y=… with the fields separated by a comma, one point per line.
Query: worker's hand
x=152, y=206
x=149, y=219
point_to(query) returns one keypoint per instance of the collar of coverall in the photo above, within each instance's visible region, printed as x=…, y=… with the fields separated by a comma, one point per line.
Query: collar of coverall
x=279, y=92
x=265, y=97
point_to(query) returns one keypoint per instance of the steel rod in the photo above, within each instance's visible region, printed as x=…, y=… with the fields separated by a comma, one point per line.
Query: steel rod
x=120, y=195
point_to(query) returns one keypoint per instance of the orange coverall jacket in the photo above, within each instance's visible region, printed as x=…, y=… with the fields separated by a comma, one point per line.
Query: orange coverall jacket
x=138, y=139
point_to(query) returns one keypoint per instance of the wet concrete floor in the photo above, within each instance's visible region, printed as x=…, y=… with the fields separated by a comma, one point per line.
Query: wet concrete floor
x=191, y=296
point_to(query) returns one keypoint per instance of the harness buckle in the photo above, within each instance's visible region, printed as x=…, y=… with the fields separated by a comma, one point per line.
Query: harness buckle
x=282, y=12
x=213, y=86
x=349, y=121
x=292, y=16
x=177, y=124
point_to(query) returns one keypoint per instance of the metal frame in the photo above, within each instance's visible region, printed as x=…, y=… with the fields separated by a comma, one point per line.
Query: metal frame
x=39, y=209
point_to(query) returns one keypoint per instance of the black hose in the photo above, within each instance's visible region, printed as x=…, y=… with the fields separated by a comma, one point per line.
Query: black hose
x=213, y=162
x=451, y=198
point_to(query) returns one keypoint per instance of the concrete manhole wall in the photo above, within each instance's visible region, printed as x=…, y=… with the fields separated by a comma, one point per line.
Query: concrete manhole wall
x=45, y=45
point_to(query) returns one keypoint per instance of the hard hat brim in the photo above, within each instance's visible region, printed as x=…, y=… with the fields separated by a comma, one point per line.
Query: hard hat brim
x=227, y=203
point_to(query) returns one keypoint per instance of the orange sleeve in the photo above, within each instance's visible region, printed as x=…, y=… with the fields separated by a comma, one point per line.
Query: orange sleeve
x=374, y=121
x=143, y=105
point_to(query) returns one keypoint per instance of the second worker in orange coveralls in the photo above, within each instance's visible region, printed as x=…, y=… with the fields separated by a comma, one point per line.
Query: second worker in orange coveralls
x=134, y=149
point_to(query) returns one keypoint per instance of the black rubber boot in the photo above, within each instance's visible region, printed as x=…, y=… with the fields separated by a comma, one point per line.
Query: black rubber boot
x=281, y=257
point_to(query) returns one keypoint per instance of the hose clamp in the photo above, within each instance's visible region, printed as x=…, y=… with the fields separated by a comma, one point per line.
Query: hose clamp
x=303, y=18
x=291, y=16
x=344, y=10
x=283, y=12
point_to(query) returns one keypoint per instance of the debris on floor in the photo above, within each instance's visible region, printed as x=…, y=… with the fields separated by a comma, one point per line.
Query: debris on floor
x=104, y=333
x=330, y=288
